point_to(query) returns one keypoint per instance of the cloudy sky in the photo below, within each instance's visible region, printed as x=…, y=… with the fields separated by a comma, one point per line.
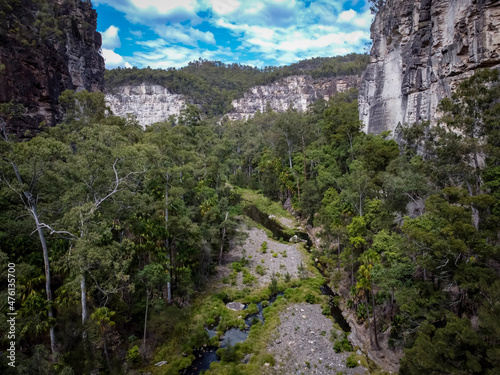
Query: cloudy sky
x=170, y=33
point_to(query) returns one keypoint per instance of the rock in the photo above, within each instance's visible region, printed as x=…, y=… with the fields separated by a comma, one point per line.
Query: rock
x=149, y=103
x=304, y=317
x=272, y=216
x=421, y=51
x=294, y=239
x=358, y=352
x=300, y=91
x=35, y=75
x=235, y=306
x=247, y=358
x=267, y=364
x=161, y=363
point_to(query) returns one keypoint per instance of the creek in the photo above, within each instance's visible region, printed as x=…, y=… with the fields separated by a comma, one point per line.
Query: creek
x=205, y=356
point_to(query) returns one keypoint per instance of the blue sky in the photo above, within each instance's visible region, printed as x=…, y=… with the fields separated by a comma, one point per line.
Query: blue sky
x=170, y=33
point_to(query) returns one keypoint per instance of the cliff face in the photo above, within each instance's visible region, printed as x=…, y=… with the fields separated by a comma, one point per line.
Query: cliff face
x=421, y=50
x=150, y=103
x=46, y=47
x=153, y=103
x=300, y=91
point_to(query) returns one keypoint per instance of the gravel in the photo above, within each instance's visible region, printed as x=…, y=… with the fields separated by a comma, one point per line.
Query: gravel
x=288, y=258
x=301, y=344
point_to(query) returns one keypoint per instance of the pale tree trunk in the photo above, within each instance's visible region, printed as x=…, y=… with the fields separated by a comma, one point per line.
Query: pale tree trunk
x=304, y=157
x=368, y=319
x=167, y=245
x=145, y=322
x=222, y=239
x=83, y=288
x=31, y=205
x=47, y=275
x=377, y=346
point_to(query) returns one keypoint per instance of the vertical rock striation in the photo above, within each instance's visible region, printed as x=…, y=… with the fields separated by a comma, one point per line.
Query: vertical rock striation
x=149, y=103
x=46, y=47
x=421, y=50
x=299, y=91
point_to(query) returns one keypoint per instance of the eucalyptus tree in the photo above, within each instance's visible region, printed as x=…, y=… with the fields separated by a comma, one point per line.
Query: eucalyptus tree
x=30, y=170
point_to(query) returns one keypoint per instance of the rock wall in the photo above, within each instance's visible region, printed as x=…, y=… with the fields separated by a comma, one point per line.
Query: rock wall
x=47, y=47
x=300, y=91
x=149, y=103
x=421, y=50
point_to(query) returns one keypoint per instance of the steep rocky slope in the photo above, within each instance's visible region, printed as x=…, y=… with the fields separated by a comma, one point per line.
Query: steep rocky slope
x=149, y=103
x=46, y=47
x=421, y=51
x=152, y=103
x=299, y=91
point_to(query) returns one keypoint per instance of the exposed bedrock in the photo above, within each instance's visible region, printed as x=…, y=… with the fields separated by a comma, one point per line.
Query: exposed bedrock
x=422, y=49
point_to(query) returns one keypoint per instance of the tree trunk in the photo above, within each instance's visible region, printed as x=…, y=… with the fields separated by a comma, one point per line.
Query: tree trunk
x=167, y=244
x=304, y=157
x=145, y=322
x=377, y=346
x=83, y=288
x=368, y=319
x=222, y=239
x=32, y=208
x=107, y=355
x=45, y=250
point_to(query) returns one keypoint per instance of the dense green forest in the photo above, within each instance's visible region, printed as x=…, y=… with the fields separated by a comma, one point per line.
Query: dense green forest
x=115, y=230
x=213, y=84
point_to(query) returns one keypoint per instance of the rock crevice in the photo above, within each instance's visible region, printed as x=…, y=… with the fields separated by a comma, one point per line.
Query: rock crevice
x=56, y=47
x=421, y=51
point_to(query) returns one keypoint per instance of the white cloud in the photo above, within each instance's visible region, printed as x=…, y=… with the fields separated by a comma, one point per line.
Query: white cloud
x=177, y=56
x=223, y=7
x=264, y=31
x=110, y=38
x=112, y=59
x=136, y=33
x=165, y=6
x=184, y=34
x=347, y=15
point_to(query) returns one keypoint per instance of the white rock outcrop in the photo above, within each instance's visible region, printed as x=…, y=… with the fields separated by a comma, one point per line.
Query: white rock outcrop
x=299, y=91
x=149, y=103
x=421, y=51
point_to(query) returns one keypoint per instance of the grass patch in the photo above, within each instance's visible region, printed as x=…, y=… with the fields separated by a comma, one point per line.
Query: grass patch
x=264, y=204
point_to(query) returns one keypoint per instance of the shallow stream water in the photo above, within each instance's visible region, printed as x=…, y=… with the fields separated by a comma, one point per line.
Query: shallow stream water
x=205, y=356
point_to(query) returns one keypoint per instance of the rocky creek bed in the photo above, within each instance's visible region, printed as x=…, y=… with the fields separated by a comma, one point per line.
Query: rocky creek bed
x=302, y=344
x=303, y=341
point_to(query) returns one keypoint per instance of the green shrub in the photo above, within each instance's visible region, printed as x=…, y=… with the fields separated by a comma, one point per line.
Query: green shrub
x=342, y=345
x=248, y=278
x=288, y=277
x=351, y=362
x=260, y=270
x=273, y=288
x=263, y=248
x=134, y=356
x=228, y=354
x=275, y=255
x=236, y=266
x=268, y=358
x=310, y=298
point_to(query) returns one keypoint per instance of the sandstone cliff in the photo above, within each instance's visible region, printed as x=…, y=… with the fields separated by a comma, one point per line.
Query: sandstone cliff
x=421, y=51
x=46, y=47
x=299, y=91
x=149, y=103
x=153, y=103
